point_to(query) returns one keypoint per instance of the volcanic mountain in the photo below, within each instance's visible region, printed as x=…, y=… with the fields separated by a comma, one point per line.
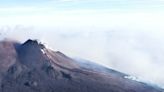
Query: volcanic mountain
x=31, y=67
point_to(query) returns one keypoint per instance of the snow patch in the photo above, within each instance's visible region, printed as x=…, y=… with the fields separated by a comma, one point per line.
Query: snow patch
x=43, y=51
x=132, y=78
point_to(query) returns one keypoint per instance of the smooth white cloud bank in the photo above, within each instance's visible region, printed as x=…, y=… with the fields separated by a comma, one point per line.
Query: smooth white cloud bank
x=140, y=21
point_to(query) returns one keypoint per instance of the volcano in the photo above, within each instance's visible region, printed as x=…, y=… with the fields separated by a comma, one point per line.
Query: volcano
x=31, y=67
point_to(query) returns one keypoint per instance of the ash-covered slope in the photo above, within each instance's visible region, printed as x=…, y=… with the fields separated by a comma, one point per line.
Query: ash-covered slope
x=30, y=67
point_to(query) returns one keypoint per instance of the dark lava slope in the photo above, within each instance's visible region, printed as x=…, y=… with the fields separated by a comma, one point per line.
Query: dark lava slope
x=30, y=67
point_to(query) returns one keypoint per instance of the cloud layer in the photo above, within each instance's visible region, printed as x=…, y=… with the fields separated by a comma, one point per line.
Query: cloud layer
x=136, y=53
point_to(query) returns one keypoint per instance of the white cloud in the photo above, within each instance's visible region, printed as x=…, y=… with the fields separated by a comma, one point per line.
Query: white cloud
x=90, y=18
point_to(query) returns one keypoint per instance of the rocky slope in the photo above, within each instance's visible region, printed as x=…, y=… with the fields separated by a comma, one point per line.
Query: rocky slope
x=31, y=67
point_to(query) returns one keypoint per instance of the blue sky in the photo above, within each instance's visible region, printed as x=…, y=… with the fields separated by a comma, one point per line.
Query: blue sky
x=42, y=7
x=86, y=4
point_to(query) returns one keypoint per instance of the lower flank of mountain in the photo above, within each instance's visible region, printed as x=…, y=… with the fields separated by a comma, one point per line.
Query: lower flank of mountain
x=31, y=67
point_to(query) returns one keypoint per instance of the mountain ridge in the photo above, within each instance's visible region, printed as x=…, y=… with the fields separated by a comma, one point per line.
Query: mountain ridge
x=34, y=68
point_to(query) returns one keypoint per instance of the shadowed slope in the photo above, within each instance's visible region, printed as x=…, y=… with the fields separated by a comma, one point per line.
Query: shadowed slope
x=37, y=69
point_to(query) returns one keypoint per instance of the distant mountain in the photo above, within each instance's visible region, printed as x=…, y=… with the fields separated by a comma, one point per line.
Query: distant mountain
x=31, y=67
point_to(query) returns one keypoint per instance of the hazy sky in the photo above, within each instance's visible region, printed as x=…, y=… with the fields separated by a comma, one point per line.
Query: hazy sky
x=93, y=13
x=126, y=35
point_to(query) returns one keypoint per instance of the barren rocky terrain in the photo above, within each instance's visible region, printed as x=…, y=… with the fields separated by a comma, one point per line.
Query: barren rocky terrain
x=31, y=67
